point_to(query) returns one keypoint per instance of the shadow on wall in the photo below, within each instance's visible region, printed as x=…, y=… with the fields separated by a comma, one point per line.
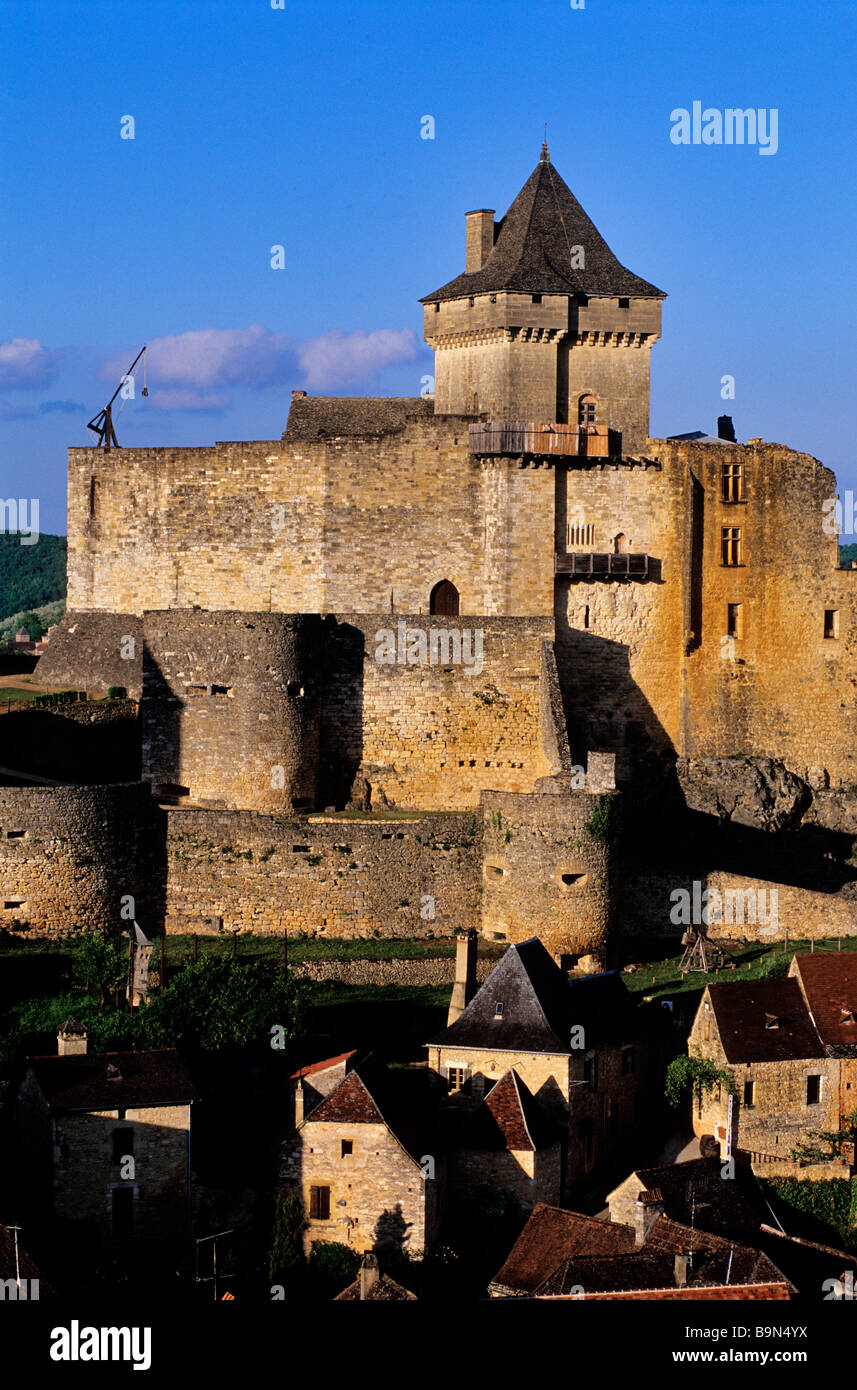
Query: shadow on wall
x=46, y=743
x=340, y=752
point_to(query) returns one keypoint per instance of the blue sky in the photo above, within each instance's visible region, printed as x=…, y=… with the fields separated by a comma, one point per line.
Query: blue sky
x=300, y=127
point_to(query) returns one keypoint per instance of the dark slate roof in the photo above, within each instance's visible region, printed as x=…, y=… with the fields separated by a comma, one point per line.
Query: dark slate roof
x=312, y=418
x=509, y=1118
x=541, y=1006
x=743, y=1011
x=114, y=1080
x=694, y=1191
x=532, y=249
x=552, y=1236
x=830, y=987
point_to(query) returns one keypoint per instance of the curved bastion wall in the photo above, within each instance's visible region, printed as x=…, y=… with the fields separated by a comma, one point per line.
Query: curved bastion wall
x=70, y=855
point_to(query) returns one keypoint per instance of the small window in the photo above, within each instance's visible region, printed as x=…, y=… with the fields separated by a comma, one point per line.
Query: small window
x=15, y=834
x=194, y=692
x=732, y=482
x=537, y=299
x=492, y=298
x=586, y=616
x=628, y=1061
x=831, y=622
x=123, y=1144
x=813, y=1090
x=436, y=307
x=347, y=1148
x=319, y=1203
x=624, y=303
x=221, y=690
x=294, y=688
x=586, y=409
x=92, y=486
x=498, y=1009
x=583, y=300
x=706, y=1030
x=471, y=301
x=456, y=1077
x=734, y=620
x=730, y=545
x=749, y=1094
x=590, y=1073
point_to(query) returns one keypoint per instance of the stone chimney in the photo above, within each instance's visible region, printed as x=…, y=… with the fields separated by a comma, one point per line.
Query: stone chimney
x=465, y=974
x=368, y=1274
x=725, y=428
x=682, y=1270
x=480, y=238
x=650, y=1205
x=300, y=1101
x=71, y=1038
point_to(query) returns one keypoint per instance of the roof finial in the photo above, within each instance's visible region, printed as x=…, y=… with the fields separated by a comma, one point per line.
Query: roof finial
x=545, y=156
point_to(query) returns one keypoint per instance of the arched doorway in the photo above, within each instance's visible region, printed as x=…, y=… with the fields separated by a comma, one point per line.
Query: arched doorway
x=620, y=544
x=443, y=599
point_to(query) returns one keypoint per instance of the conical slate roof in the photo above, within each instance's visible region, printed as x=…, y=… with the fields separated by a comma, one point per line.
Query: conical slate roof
x=533, y=249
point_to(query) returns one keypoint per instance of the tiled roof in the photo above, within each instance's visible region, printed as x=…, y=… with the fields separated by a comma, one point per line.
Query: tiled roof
x=404, y=1099
x=768, y=1293
x=540, y=1007
x=384, y=1290
x=533, y=249
x=322, y=1066
x=328, y=417
x=114, y=1080
x=830, y=988
x=349, y=1102
x=551, y=1236
x=744, y=1012
x=694, y=1191
x=509, y=1118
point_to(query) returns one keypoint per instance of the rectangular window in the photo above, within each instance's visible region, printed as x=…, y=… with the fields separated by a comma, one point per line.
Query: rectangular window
x=590, y=1073
x=319, y=1203
x=624, y=303
x=732, y=482
x=735, y=619
x=123, y=1213
x=813, y=1090
x=347, y=1148
x=627, y=1061
x=831, y=622
x=749, y=1094
x=730, y=545
x=123, y=1144
x=456, y=1077
x=537, y=299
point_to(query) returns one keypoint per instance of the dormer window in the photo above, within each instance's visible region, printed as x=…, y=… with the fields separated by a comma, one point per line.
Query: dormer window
x=848, y=1015
x=498, y=1009
x=771, y=1021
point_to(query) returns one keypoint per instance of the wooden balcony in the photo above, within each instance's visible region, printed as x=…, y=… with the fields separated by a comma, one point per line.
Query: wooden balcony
x=593, y=566
x=534, y=437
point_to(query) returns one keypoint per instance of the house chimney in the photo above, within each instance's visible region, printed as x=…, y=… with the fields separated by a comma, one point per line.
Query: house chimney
x=649, y=1206
x=465, y=974
x=725, y=428
x=682, y=1270
x=368, y=1274
x=480, y=238
x=71, y=1038
x=300, y=1101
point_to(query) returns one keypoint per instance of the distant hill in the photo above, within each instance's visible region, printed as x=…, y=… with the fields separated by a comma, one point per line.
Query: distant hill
x=31, y=575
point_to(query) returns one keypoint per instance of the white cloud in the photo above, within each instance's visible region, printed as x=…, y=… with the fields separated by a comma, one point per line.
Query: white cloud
x=208, y=357
x=27, y=362
x=339, y=358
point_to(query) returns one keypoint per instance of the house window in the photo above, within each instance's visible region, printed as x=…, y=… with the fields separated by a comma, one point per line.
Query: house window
x=123, y=1213
x=831, y=622
x=537, y=299
x=471, y=301
x=498, y=1009
x=123, y=1144
x=628, y=1061
x=813, y=1090
x=456, y=1077
x=734, y=620
x=319, y=1203
x=706, y=1030
x=444, y=599
x=624, y=303
x=732, y=482
x=437, y=308
x=730, y=545
x=347, y=1148
x=749, y=1094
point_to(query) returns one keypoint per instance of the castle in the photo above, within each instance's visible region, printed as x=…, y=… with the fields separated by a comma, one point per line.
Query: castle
x=477, y=622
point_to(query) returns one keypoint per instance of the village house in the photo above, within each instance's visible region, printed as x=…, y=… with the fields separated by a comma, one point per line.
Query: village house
x=364, y=1163
x=790, y=1046
x=106, y=1137
x=576, y=1047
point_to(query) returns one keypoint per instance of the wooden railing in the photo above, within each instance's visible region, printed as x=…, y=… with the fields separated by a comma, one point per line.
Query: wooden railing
x=600, y=566
x=533, y=437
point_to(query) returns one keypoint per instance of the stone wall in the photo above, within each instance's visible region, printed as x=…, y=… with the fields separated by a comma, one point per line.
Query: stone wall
x=415, y=974
x=92, y=650
x=69, y=855
x=531, y=1176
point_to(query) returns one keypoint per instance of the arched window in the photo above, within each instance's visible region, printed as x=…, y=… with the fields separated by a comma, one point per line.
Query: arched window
x=586, y=407
x=620, y=544
x=444, y=599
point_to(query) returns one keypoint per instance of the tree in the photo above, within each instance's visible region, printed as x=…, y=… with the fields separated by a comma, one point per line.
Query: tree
x=100, y=962
x=216, y=1003
x=824, y=1144
x=286, y=1260
x=698, y=1074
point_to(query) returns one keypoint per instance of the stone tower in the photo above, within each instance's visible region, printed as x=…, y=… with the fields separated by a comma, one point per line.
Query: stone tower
x=545, y=325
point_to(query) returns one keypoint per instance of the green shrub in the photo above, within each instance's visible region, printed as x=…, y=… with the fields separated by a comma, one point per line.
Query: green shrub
x=117, y=692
